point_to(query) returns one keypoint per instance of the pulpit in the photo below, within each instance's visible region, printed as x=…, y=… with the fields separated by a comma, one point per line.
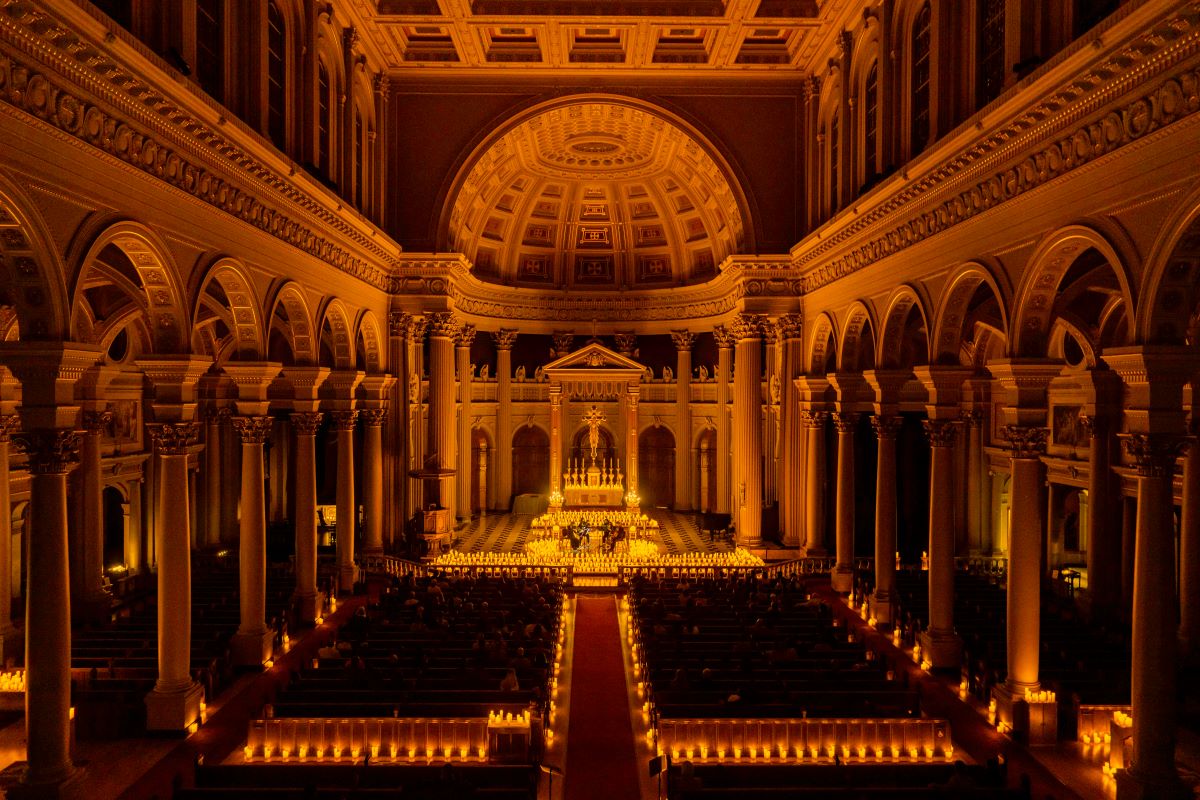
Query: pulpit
x=437, y=529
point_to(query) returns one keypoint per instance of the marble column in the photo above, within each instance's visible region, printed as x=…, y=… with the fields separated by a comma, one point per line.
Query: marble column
x=11, y=642
x=791, y=451
x=372, y=476
x=1155, y=664
x=51, y=453
x=940, y=643
x=556, y=422
x=683, y=340
x=96, y=603
x=504, y=339
x=814, y=482
x=1024, y=582
x=1189, y=559
x=483, y=476
x=174, y=702
x=1129, y=516
x=843, y=572
x=632, y=401
x=252, y=644
x=305, y=424
x=462, y=343
x=1103, y=535
x=705, y=461
x=725, y=342
x=747, y=425
x=347, y=508
x=977, y=540
x=887, y=428
x=443, y=327
x=212, y=477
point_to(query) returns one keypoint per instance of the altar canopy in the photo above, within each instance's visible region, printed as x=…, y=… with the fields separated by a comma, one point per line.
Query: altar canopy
x=596, y=376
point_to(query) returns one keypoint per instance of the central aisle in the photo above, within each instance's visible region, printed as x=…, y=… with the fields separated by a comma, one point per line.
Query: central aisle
x=601, y=760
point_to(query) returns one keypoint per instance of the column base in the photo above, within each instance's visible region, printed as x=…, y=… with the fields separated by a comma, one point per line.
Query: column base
x=942, y=650
x=174, y=711
x=308, y=607
x=881, y=608
x=72, y=787
x=1132, y=785
x=251, y=649
x=749, y=543
x=1031, y=723
x=842, y=579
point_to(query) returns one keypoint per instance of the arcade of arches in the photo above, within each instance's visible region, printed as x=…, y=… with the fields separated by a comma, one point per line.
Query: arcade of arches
x=888, y=306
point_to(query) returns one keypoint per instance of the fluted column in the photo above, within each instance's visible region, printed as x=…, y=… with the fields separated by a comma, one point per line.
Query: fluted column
x=747, y=426
x=212, y=476
x=1103, y=530
x=843, y=571
x=462, y=343
x=814, y=482
x=1189, y=558
x=11, y=642
x=705, y=461
x=683, y=340
x=504, y=339
x=442, y=328
x=305, y=425
x=252, y=645
x=556, y=420
x=372, y=475
x=725, y=342
x=941, y=645
x=175, y=701
x=791, y=450
x=347, y=508
x=886, y=429
x=1025, y=528
x=632, y=401
x=48, y=609
x=1154, y=673
x=416, y=428
x=977, y=542
x=95, y=602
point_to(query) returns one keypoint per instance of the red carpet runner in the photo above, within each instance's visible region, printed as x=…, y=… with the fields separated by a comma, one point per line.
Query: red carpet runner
x=601, y=760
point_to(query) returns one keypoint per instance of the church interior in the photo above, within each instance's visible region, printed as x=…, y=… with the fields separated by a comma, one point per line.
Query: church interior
x=617, y=399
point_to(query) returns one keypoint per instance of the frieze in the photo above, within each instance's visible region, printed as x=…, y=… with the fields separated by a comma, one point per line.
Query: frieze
x=1171, y=99
x=132, y=134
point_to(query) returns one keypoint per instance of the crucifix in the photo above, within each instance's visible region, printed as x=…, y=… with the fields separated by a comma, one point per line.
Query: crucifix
x=592, y=419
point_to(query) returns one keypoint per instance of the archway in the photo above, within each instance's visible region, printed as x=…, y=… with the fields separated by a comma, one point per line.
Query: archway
x=706, y=470
x=656, y=467
x=531, y=461
x=482, y=455
x=115, y=521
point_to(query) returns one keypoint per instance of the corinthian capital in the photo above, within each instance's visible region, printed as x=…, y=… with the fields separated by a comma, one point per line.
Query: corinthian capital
x=442, y=324
x=344, y=420
x=1154, y=454
x=464, y=336
x=683, y=339
x=790, y=326
x=94, y=422
x=253, y=430
x=940, y=432
x=1025, y=441
x=173, y=438
x=724, y=337
x=50, y=452
x=505, y=338
x=886, y=426
x=845, y=421
x=306, y=423
x=748, y=326
x=373, y=416
x=813, y=419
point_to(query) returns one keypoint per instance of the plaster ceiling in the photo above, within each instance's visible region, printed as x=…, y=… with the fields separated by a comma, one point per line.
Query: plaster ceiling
x=596, y=194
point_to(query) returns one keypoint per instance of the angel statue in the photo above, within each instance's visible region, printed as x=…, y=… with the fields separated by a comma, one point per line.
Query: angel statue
x=520, y=376
x=485, y=372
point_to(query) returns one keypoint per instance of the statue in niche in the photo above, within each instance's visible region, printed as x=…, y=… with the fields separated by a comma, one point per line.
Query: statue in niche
x=775, y=390
x=668, y=374
x=521, y=373
x=703, y=372
x=485, y=372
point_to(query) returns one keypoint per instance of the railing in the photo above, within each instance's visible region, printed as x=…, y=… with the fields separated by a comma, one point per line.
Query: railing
x=982, y=565
x=391, y=565
x=807, y=740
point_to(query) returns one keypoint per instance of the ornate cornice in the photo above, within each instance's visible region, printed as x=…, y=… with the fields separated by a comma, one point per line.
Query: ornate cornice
x=887, y=426
x=1025, y=441
x=306, y=423
x=173, y=438
x=1015, y=158
x=505, y=338
x=90, y=97
x=50, y=452
x=253, y=430
x=1154, y=455
x=940, y=432
x=373, y=416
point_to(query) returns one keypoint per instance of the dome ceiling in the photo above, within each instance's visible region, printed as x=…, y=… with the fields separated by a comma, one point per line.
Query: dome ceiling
x=596, y=195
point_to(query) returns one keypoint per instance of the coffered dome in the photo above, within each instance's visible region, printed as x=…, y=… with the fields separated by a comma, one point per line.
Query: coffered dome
x=596, y=193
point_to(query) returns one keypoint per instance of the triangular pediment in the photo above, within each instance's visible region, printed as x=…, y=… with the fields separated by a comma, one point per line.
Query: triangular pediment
x=595, y=356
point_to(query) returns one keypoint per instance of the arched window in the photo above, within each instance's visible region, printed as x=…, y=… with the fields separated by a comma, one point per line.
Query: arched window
x=991, y=50
x=359, y=171
x=276, y=77
x=871, y=124
x=834, y=150
x=210, y=47
x=324, y=120
x=919, y=82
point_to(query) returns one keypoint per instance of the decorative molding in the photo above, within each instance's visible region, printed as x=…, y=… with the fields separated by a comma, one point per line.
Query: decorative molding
x=1025, y=441
x=253, y=430
x=51, y=451
x=173, y=438
x=1141, y=60
x=940, y=432
x=1154, y=455
x=306, y=423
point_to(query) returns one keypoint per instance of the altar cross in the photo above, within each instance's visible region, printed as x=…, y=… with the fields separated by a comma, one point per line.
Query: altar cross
x=593, y=418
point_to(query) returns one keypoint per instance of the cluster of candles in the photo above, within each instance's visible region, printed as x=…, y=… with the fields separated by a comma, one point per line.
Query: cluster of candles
x=496, y=718
x=782, y=753
x=620, y=519
x=336, y=753
x=1039, y=696
x=13, y=681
